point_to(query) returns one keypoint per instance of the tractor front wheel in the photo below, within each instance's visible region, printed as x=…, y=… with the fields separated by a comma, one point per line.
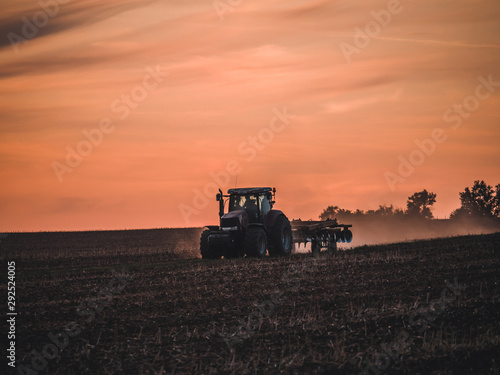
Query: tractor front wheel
x=206, y=251
x=255, y=242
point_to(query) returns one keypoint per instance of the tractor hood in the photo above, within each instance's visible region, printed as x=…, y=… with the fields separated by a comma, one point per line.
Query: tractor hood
x=235, y=220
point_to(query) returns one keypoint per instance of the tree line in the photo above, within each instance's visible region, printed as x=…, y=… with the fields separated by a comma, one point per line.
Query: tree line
x=480, y=200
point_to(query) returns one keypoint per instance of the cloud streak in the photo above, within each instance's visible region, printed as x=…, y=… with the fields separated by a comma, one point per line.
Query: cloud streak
x=67, y=16
x=441, y=42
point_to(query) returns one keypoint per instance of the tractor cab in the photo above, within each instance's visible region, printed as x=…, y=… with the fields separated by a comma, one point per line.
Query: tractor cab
x=257, y=202
x=251, y=226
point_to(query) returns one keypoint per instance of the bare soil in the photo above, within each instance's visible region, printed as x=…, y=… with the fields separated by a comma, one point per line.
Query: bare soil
x=140, y=302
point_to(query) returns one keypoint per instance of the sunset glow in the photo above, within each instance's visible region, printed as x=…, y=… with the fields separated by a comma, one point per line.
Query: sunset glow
x=131, y=114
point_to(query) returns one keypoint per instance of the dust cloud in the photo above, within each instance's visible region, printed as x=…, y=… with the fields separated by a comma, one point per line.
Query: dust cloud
x=371, y=231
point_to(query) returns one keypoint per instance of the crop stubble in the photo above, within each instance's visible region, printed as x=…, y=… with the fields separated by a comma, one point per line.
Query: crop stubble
x=325, y=314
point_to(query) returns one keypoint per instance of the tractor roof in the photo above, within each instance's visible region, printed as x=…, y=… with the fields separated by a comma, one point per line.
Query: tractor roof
x=245, y=191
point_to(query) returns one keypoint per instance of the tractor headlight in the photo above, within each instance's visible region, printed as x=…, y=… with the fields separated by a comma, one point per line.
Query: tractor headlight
x=229, y=229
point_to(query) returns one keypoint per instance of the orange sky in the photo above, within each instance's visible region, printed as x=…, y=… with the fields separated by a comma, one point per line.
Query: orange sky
x=179, y=88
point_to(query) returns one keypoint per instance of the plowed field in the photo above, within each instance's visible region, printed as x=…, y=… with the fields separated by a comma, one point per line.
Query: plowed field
x=140, y=302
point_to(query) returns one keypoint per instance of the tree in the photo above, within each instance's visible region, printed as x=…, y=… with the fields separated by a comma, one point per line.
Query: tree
x=334, y=212
x=479, y=200
x=389, y=211
x=383, y=211
x=496, y=210
x=329, y=213
x=419, y=204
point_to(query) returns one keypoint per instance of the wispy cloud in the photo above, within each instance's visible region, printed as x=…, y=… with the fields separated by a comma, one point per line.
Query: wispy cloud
x=69, y=16
x=346, y=106
x=441, y=42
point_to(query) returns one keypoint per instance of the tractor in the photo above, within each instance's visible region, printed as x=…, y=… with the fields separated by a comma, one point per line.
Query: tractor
x=251, y=226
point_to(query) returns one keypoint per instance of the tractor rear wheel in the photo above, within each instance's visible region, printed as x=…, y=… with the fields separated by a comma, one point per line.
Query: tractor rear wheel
x=281, y=237
x=206, y=251
x=255, y=242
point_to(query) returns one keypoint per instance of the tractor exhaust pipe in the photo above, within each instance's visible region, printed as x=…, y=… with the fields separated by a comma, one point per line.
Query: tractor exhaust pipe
x=220, y=198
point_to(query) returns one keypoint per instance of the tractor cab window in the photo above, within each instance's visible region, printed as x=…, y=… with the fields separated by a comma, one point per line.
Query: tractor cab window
x=237, y=202
x=256, y=205
x=264, y=204
x=251, y=207
x=243, y=202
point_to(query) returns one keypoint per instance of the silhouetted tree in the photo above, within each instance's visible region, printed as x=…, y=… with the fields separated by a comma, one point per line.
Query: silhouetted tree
x=479, y=200
x=496, y=210
x=329, y=213
x=419, y=204
x=334, y=212
x=389, y=211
